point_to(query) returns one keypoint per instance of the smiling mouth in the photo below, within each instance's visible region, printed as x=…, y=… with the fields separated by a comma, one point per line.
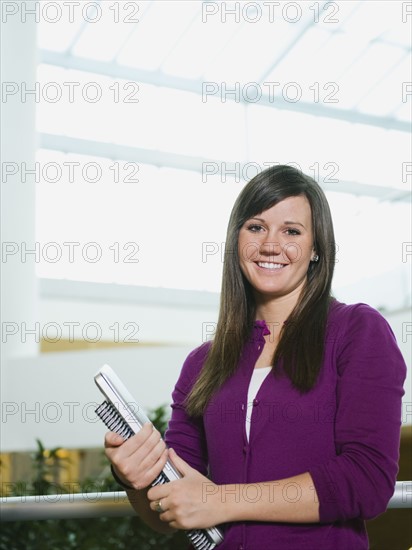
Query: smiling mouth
x=270, y=265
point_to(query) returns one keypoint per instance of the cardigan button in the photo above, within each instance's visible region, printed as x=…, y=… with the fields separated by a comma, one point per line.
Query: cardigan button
x=255, y=402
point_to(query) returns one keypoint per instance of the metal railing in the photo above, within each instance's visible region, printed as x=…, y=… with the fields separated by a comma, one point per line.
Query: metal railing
x=114, y=504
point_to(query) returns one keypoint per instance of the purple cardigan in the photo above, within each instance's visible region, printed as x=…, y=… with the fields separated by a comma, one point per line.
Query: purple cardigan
x=345, y=432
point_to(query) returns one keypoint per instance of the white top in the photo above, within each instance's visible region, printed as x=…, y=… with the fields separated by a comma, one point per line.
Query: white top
x=255, y=382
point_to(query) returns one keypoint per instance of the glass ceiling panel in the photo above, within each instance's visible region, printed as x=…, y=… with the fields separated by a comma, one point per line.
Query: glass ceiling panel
x=335, y=56
x=102, y=40
x=366, y=247
x=56, y=32
x=373, y=19
x=400, y=33
x=148, y=230
x=85, y=106
x=138, y=124
x=386, y=97
x=291, y=68
x=375, y=156
x=252, y=50
x=196, y=50
x=343, y=151
x=207, y=129
x=189, y=232
x=404, y=111
x=367, y=71
x=283, y=136
x=341, y=11
x=160, y=30
x=50, y=117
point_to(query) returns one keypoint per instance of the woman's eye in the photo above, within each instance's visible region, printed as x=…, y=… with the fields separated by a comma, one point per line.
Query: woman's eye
x=254, y=228
x=293, y=231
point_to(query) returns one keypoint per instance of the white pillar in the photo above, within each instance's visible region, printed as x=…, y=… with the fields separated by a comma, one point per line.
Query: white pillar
x=18, y=280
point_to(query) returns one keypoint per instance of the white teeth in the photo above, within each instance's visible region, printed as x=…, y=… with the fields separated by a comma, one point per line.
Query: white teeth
x=269, y=265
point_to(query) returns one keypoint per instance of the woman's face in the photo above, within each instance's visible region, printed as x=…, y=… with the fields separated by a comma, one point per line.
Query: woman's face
x=276, y=246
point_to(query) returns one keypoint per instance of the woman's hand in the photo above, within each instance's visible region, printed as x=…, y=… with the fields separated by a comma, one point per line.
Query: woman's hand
x=191, y=502
x=138, y=460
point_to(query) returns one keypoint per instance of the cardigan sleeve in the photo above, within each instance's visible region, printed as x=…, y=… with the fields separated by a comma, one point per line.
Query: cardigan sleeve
x=360, y=480
x=185, y=434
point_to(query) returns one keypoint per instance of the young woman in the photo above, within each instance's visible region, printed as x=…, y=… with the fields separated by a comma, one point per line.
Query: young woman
x=285, y=427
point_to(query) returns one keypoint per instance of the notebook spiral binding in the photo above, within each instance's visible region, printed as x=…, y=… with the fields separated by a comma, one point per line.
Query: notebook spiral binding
x=110, y=416
x=121, y=415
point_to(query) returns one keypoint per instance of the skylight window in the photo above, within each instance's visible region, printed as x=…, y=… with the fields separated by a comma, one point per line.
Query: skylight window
x=173, y=156
x=159, y=31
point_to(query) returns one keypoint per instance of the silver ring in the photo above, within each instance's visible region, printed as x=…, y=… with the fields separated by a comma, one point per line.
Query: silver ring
x=158, y=506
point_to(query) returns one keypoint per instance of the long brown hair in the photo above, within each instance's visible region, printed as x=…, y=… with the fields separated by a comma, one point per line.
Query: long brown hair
x=301, y=343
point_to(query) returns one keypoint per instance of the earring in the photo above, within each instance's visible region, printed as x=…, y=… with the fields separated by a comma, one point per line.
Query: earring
x=315, y=258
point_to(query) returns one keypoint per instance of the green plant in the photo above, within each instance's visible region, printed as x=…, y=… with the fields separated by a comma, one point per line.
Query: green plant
x=85, y=534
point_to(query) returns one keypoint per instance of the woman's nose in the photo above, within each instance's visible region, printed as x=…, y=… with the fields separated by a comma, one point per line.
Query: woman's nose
x=270, y=248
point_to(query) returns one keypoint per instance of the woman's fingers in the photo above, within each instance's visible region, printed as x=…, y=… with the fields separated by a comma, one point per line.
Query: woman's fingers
x=112, y=439
x=153, y=471
x=160, y=506
x=141, y=474
x=139, y=459
x=146, y=436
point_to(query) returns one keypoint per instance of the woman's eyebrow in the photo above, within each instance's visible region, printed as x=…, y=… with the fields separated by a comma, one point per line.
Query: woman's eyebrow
x=285, y=222
x=294, y=223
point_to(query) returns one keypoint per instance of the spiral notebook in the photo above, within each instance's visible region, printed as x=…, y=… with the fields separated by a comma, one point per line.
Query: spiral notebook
x=121, y=414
